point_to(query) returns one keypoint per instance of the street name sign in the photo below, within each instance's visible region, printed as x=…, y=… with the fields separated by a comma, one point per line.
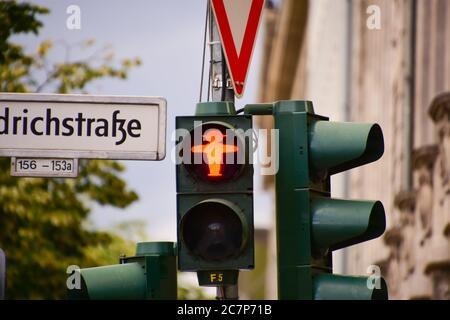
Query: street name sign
x=67, y=127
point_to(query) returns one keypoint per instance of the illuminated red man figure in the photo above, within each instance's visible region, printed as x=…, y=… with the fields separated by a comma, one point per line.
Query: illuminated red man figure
x=214, y=151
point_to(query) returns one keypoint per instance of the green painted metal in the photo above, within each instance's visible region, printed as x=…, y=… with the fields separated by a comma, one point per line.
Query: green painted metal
x=293, y=245
x=338, y=223
x=293, y=106
x=310, y=224
x=121, y=281
x=163, y=248
x=161, y=274
x=292, y=201
x=151, y=274
x=284, y=106
x=218, y=108
x=197, y=197
x=334, y=287
x=338, y=147
x=259, y=109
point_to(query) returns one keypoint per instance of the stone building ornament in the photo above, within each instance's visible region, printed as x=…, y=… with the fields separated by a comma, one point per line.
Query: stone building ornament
x=440, y=114
x=406, y=203
x=423, y=161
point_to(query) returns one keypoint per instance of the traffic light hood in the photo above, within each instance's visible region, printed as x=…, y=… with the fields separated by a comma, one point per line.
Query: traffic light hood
x=340, y=146
x=214, y=230
x=335, y=287
x=339, y=223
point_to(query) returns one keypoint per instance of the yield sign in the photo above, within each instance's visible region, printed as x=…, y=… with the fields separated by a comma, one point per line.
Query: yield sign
x=238, y=22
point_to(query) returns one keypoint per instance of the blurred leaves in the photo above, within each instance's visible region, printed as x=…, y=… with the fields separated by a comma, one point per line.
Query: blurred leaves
x=42, y=220
x=22, y=72
x=188, y=288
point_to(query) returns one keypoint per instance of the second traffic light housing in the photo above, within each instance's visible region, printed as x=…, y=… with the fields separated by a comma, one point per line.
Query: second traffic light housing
x=311, y=224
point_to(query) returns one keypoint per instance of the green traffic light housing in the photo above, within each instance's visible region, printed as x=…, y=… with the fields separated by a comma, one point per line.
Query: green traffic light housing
x=311, y=224
x=151, y=274
x=215, y=193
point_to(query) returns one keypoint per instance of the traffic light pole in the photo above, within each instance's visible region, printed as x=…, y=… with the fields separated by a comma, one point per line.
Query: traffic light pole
x=221, y=91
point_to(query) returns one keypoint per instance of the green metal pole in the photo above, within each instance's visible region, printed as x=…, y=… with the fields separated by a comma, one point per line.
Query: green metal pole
x=160, y=269
x=292, y=201
x=293, y=218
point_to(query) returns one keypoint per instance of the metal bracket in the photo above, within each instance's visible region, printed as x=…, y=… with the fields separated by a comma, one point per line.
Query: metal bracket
x=212, y=43
x=218, y=83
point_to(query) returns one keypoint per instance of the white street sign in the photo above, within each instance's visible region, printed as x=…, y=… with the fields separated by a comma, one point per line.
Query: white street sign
x=40, y=167
x=82, y=126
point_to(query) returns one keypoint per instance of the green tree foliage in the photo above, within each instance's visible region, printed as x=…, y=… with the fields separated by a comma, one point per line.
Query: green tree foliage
x=43, y=221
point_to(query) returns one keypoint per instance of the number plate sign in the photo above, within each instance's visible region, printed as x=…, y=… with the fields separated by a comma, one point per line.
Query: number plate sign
x=42, y=167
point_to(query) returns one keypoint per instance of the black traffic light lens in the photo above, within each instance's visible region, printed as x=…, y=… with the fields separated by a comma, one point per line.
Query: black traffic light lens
x=217, y=152
x=212, y=231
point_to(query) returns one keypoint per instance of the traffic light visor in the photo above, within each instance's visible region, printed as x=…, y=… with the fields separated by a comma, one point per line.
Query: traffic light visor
x=214, y=230
x=339, y=223
x=340, y=146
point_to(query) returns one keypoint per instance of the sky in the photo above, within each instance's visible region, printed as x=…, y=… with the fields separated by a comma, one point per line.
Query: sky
x=167, y=35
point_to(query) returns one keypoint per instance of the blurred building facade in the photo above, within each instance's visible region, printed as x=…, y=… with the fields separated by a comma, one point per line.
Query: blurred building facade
x=383, y=61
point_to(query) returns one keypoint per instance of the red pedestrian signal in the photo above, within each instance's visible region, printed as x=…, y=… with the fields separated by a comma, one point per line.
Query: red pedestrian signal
x=217, y=153
x=214, y=150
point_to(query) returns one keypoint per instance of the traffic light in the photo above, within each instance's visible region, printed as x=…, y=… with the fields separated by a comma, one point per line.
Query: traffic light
x=151, y=274
x=311, y=224
x=214, y=193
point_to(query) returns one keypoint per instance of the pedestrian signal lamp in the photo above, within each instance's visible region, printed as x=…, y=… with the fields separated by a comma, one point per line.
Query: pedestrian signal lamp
x=214, y=193
x=214, y=156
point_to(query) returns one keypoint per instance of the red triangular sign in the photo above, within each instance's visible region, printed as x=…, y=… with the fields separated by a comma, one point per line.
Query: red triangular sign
x=238, y=22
